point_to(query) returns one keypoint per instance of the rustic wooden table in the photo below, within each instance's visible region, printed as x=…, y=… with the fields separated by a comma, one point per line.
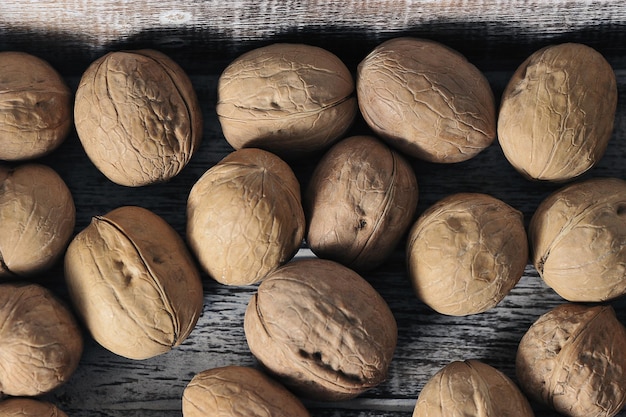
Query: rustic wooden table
x=204, y=36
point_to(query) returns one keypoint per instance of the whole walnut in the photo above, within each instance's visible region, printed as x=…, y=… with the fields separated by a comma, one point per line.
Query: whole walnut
x=134, y=283
x=137, y=117
x=360, y=202
x=239, y=391
x=290, y=99
x=578, y=240
x=245, y=217
x=37, y=218
x=466, y=252
x=40, y=341
x=471, y=389
x=29, y=407
x=321, y=329
x=573, y=360
x=557, y=112
x=427, y=100
x=35, y=107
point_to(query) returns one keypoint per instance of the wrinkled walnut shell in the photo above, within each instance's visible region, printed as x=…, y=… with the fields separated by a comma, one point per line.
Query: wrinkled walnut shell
x=578, y=240
x=40, y=341
x=427, y=100
x=134, y=283
x=137, y=117
x=321, y=329
x=471, y=389
x=359, y=203
x=573, y=360
x=289, y=99
x=466, y=252
x=35, y=107
x=28, y=407
x=557, y=112
x=239, y=391
x=245, y=217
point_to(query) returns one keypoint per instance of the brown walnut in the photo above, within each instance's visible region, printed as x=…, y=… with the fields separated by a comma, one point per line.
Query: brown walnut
x=134, y=283
x=29, y=407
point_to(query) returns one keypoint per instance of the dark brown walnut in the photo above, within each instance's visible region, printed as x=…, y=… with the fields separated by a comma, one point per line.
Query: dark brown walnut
x=321, y=329
x=578, y=240
x=239, y=391
x=40, y=341
x=471, y=389
x=360, y=202
x=37, y=215
x=29, y=407
x=557, y=112
x=137, y=117
x=35, y=107
x=245, y=217
x=290, y=99
x=427, y=100
x=134, y=283
x=466, y=252
x=573, y=360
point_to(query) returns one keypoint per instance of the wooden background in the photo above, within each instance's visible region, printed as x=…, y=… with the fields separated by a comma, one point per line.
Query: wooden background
x=204, y=36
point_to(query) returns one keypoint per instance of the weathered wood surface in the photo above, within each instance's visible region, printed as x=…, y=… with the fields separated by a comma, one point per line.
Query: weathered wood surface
x=204, y=36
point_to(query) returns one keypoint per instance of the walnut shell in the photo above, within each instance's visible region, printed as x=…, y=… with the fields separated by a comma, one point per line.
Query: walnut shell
x=360, y=202
x=134, y=283
x=137, y=117
x=37, y=215
x=40, y=341
x=471, y=389
x=321, y=329
x=427, y=100
x=245, y=217
x=289, y=99
x=28, y=407
x=466, y=252
x=578, y=240
x=573, y=360
x=35, y=107
x=557, y=112
x=239, y=391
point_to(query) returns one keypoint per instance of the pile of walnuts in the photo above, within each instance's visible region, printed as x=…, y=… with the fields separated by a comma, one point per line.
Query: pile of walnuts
x=318, y=329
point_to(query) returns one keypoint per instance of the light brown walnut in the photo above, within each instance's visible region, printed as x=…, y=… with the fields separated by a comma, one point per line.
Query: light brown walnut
x=29, y=407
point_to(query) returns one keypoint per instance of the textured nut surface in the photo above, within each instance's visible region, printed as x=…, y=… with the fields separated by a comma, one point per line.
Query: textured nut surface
x=134, y=283
x=471, y=389
x=239, y=391
x=28, y=407
x=137, y=117
x=578, y=240
x=427, y=100
x=290, y=99
x=321, y=329
x=573, y=359
x=35, y=107
x=37, y=215
x=359, y=203
x=40, y=341
x=245, y=217
x=557, y=112
x=466, y=252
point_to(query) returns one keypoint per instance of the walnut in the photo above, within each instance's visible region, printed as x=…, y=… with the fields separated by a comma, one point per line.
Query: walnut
x=40, y=341
x=573, y=360
x=37, y=215
x=557, y=112
x=466, y=252
x=245, y=217
x=137, y=117
x=29, y=407
x=321, y=329
x=578, y=240
x=134, y=283
x=427, y=100
x=360, y=202
x=290, y=99
x=239, y=391
x=35, y=107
